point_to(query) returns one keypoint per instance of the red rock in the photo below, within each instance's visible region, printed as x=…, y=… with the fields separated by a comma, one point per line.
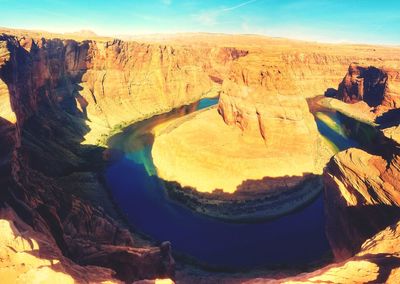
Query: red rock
x=379, y=87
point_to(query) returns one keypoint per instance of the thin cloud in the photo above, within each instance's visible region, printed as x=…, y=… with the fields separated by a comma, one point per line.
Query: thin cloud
x=210, y=18
x=238, y=5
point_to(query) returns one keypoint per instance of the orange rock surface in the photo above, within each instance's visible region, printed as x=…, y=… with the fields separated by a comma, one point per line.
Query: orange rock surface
x=268, y=129
x=58, y=93
x=205, y=153
x=27, y=256
x=379, y=88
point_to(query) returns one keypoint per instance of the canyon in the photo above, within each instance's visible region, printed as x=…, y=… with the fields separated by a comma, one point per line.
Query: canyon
x=62, y=98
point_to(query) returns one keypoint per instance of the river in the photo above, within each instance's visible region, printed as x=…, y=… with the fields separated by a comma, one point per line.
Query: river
x=295, y=239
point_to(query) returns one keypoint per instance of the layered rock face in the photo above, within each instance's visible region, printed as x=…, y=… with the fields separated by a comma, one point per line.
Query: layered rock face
x=362, y=186
x=114, y=81
x=56, y=95
x=379, y=88
x=267, y=130
x=42, y=149
x=364, y=197
x=62, y=94
x=363, y=189
x=28, y=256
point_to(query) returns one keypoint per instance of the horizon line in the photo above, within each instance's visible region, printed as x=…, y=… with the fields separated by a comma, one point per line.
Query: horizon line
x=125, y=36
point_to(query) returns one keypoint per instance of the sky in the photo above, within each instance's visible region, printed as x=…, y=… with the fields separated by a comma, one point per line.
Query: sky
x=358, y=21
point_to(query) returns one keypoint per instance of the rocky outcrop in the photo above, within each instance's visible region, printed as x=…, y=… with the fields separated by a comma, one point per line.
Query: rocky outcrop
x=219, y=147
x=41, y=149
x=106, y=82
x=268, y=131
x=378, y=87
x=57, y=95
x=362, y=188
x=28, y=256
x=364, y=197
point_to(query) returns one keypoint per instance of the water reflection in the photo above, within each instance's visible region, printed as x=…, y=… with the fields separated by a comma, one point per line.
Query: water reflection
x=293, y=239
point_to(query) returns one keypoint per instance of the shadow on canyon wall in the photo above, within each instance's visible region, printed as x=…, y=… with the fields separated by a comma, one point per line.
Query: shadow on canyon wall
x=348, y=227
x=254, y=200
x=216, y=243
x=362, y=84
x=50, y=129
x=266, y=187
x=385, y=262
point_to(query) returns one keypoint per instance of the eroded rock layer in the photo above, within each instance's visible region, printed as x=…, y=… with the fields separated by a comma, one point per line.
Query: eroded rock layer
x=362, y=191
x=57, y=94
x=378, y=87
x=267, y=130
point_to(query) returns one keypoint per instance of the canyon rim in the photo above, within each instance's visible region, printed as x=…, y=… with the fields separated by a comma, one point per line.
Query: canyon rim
x=180, y=156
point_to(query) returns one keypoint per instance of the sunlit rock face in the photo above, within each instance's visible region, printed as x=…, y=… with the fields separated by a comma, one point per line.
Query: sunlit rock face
x=362, y=189
x=49, y=178
x=264, y=128
x=362, y=195
x=57, y=94
x=30, y=257
x=378, y=87
x=254, y=147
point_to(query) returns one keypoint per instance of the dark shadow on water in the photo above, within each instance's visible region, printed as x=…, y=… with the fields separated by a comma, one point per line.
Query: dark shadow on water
x=294, y=239
x=291, y=240
x=389, y=119
x=353, y=225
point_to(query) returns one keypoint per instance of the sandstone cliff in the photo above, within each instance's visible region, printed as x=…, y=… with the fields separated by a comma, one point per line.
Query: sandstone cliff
x=363, y=191
x=109, y=82
x=40, y=79
x=378, y=87
x=267, y=130
x=62, y=94
x=362, y=197
x=57, y=94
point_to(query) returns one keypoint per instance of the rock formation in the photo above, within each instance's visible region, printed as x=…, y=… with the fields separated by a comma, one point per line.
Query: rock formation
x=362, y=195
x=362, y=186
x=268, y=130
x=42, y=149
x=378, y=87
x=29, y=256
x=58, y=96
x=253, y=153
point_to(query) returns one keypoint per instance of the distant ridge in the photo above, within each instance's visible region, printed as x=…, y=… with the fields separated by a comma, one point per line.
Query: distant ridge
x=191, y=38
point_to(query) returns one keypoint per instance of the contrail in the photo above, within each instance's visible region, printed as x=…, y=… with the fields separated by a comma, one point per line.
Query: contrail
x=239, y=5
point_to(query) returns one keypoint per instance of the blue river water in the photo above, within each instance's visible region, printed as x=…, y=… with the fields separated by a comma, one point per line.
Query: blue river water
x=295, y=239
